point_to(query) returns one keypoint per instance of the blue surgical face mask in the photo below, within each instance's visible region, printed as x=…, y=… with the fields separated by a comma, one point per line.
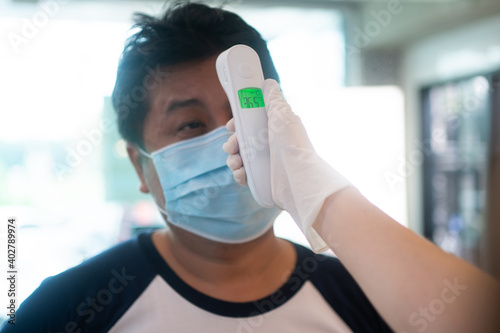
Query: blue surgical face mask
x=201, y=195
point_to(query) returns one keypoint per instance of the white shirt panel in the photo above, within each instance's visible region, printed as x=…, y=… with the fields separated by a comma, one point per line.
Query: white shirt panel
x=161, y=309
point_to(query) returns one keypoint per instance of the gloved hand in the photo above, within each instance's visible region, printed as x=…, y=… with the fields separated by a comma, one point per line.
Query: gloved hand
x=300, y=179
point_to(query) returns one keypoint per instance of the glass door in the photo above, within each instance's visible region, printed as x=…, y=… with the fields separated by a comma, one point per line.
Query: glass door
x=456, y=123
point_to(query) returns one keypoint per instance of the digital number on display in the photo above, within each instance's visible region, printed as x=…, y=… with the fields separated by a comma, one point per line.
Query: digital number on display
x=251, y=98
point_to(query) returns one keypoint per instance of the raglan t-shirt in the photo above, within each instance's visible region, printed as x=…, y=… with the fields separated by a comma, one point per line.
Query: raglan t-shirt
x=130, y=288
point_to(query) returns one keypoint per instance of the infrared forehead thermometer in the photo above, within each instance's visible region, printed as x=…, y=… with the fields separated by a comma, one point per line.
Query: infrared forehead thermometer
x=240, y=74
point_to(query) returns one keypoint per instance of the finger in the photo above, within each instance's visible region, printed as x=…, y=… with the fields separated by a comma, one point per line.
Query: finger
x=271, y=91
x=273, y=98
x=234, y=162
x=230, y=125
x=240, y=176
x=278, y=110
x=231, y=145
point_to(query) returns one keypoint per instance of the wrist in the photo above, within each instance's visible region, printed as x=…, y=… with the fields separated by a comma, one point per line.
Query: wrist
x=328, y=219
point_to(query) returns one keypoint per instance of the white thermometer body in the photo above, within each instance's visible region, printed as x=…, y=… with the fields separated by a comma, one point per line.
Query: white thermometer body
x=240, y=74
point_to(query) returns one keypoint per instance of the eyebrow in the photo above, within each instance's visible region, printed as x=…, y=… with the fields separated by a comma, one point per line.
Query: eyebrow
x=175, y=105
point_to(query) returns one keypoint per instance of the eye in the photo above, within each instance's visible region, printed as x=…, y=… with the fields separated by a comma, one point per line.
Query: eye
x=192, y=125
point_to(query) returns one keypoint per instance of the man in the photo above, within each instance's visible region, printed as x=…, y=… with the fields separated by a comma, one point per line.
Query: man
x=219, y=267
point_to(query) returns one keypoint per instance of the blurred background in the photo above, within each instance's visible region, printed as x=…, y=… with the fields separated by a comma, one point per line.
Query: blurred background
x=402, y=97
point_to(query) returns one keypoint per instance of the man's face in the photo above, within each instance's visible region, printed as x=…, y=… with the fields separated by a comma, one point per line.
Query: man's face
x=189, y=102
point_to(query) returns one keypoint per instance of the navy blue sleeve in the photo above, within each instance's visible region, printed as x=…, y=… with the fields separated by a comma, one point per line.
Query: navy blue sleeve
x=89, y=297
x=341, y=291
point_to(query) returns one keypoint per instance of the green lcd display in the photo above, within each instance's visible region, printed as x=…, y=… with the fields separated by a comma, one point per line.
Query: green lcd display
x=251, y=98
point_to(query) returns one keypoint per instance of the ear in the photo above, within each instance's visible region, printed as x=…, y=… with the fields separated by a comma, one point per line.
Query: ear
x=135, y=157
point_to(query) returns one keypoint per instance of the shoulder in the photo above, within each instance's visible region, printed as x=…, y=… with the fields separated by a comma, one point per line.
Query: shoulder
x=337, y=286
x=117, y=265
x=327, y=274
x=321, y=268
x=88, y=295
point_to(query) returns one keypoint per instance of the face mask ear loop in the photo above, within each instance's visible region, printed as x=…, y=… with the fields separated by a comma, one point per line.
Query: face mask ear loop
x=143, y=152
x=161, y=209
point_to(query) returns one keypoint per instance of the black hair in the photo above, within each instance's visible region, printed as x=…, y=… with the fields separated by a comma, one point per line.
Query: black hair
x=186, y=32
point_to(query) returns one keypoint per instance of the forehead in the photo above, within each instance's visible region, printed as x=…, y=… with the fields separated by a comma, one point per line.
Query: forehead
x=185, y=80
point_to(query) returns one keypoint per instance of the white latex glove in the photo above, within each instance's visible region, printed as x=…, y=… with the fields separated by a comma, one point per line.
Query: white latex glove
x=300, y=179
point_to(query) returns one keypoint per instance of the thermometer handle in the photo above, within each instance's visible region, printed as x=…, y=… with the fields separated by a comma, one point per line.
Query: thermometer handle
x=240, y=73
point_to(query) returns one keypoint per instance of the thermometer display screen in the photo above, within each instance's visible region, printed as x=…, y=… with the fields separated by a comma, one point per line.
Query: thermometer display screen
x=251, y=98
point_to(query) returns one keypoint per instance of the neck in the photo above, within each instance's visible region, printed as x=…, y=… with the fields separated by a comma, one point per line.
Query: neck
x=233, y=272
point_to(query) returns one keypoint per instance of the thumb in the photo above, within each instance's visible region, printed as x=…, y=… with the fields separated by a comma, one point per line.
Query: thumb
x=277, y=108
x=272, y=95
x=282, y=121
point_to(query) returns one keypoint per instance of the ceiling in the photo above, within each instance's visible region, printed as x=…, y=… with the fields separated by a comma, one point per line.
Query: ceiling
x=417, y=19
x=420, y=19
